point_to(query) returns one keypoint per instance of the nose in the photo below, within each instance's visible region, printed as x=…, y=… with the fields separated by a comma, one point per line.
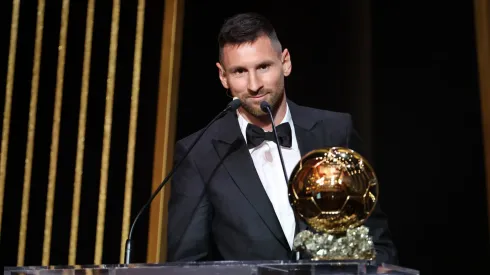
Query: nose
x=254, y=83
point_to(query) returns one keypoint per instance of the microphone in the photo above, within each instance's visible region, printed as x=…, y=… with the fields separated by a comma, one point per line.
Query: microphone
x=232, y=106
x=267, y=109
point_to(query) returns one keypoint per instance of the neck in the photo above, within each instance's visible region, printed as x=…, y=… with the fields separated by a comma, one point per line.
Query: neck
x=264, y=121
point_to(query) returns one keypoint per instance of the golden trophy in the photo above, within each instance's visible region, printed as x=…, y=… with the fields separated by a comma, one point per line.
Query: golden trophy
x=334, y=190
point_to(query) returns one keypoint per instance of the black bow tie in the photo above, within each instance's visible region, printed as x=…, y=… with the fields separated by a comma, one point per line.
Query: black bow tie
x=255, y=135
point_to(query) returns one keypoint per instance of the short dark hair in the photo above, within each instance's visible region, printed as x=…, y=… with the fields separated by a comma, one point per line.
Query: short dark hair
x=246, y=28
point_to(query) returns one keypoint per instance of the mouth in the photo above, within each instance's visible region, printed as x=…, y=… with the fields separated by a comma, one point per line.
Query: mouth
x=258, y=96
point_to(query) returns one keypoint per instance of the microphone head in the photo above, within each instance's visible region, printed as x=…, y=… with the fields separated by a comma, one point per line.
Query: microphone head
x=235, y=103
x=264, y=106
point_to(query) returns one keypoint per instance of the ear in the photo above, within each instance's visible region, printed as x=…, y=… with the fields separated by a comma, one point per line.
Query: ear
x=222, y=75
x=286, y=62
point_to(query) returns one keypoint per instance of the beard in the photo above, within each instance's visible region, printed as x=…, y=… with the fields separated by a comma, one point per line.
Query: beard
x=253, y=107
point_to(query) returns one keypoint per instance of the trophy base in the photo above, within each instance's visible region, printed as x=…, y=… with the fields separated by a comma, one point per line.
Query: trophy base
x=355, y=244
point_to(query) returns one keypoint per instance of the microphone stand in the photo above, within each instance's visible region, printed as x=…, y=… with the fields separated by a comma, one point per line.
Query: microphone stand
x=267, y=108
x=233, y=105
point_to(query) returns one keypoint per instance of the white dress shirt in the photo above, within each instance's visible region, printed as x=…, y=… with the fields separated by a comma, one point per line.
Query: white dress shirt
x=268, y=165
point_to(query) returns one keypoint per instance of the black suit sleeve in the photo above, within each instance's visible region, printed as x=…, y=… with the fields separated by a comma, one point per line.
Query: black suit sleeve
x=189, y=212
x=378, y=221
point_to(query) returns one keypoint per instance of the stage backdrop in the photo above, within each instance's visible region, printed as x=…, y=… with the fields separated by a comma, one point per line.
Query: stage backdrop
x=85, y=84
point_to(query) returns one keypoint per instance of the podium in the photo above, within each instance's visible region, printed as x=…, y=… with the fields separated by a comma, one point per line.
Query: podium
x=223, y=267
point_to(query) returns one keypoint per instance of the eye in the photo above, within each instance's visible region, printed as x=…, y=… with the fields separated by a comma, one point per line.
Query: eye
x=264, y=66
x=239, y=71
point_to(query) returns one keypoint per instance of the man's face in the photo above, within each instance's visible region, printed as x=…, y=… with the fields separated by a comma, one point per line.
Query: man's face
x=255, y=72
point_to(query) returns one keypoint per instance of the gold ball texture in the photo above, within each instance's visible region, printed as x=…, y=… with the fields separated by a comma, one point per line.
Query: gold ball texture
x=333, y=189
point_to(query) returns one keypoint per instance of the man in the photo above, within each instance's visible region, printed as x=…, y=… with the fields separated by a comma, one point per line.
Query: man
x=229, y=198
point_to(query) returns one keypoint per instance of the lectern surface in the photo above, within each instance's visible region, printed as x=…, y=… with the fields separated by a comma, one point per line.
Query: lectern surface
x=224, y=267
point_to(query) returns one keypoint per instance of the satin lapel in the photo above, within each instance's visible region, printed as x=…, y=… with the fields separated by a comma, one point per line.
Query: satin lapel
x=309, y=137
x=236, y=158
x=307, y=140
x=307, y=128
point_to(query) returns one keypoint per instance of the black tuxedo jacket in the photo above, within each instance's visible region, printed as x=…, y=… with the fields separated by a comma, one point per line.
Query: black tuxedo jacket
x=218, y=209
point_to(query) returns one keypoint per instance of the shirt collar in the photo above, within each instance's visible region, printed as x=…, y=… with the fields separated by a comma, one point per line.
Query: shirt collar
x=243, y=122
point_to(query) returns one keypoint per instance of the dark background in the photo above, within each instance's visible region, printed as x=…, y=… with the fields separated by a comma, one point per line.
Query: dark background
x=407, y=72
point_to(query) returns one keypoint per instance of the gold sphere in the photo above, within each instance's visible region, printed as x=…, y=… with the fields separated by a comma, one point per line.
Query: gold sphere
x=333, y=189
